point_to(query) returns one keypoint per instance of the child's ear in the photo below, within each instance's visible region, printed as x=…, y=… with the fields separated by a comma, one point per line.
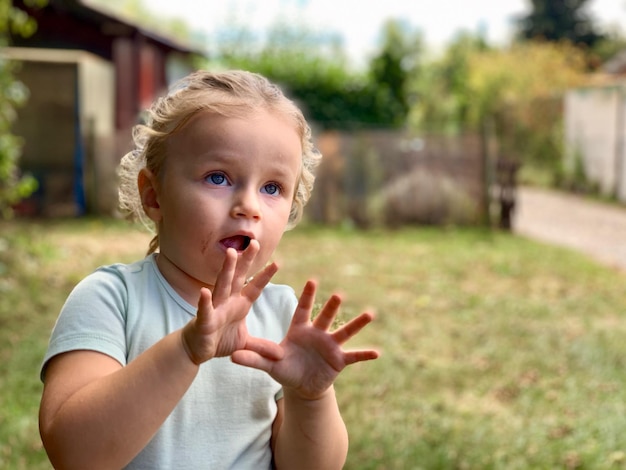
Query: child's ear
x=147, y=185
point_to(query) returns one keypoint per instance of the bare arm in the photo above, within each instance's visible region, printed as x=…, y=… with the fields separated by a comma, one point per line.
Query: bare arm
x=312, y=435
x=97, y=414
x=309, y=431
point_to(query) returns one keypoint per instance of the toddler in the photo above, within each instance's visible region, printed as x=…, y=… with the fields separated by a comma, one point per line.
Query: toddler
x=190, y=358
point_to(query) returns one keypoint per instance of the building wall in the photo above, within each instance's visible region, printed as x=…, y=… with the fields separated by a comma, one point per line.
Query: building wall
x=68, y=130
x=97, y=113
x=47, y=125
x=594, y=134
x=118, y=67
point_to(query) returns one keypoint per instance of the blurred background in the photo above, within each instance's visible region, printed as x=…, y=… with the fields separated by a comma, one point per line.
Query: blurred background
x=426, y=112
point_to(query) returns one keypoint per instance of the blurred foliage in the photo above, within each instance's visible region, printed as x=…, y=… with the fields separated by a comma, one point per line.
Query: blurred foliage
x=558, y=20
x=443, y=99
x=516, y=92
x=610, y=45
x=499, y=80
x=312, y=67
x=390, y=70
x=570, y=20
x=13, y=185
x=520, y=90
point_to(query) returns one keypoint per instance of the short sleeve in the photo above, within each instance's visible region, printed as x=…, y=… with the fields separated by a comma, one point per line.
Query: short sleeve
x=92, y=318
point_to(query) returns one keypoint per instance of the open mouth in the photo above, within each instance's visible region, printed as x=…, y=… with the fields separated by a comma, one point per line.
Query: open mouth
x=238, y=242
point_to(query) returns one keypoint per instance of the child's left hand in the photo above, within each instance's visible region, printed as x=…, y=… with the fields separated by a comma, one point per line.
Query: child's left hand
x=313, y=356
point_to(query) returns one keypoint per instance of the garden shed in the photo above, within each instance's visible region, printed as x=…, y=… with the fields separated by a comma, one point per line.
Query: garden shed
x=90, y=74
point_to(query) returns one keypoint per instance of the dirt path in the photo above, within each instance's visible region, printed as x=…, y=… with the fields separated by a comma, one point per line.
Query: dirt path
x=596, y=229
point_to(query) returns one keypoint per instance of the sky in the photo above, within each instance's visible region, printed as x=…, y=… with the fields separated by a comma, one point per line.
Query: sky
x=359, y=21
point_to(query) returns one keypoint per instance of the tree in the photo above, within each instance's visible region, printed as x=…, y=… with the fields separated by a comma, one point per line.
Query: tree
x=392, y=67
x=313, y=69
x=13, y=186
x=442, y=95
x=556, y=20
x=520, y=91
x=309, y=65
x=613, y=43
x=517, y=92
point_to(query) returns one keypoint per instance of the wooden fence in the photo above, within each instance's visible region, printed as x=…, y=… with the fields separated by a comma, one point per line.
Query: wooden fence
x=363, y=172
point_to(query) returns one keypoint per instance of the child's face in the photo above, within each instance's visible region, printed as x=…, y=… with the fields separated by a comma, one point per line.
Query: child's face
x=225, y=181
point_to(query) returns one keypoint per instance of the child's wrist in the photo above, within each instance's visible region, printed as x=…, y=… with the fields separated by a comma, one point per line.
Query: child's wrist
x=186, y=342
x=294, y=393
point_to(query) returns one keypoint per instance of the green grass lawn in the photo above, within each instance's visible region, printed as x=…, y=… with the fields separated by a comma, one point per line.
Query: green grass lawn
x=498, y=352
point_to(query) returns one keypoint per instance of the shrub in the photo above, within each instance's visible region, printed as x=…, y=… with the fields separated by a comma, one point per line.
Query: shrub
x=422, y=197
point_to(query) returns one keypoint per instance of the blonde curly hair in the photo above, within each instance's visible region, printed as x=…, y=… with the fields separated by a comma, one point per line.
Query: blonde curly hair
x=230, y=93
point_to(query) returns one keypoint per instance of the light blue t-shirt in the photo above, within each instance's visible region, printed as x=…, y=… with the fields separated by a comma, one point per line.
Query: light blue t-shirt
x=224, y=421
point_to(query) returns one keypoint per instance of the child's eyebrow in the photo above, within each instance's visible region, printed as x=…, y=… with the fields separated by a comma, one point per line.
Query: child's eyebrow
x=217, y=155
x=281, y=173
x=212, y=157
x=273, y=166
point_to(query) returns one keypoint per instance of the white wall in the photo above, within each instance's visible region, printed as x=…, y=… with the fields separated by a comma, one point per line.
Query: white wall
x=594, y=132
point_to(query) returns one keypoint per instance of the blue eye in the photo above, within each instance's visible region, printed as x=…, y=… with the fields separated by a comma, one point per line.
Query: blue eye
x=218, y=179
x=272, y=189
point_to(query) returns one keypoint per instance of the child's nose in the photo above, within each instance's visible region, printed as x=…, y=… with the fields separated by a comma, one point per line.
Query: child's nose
x=246, y=204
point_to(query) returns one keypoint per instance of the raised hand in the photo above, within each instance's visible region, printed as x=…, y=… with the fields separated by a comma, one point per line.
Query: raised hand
x=219, y=328
x=313, y=356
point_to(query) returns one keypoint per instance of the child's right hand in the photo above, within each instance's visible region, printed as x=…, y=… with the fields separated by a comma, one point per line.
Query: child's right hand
x=219, y=328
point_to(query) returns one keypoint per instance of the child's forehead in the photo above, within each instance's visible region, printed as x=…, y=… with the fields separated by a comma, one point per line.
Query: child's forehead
x=256, y=130
x=238, y=108
x=208, y=121
x=250, y=114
